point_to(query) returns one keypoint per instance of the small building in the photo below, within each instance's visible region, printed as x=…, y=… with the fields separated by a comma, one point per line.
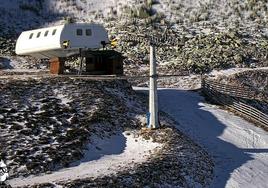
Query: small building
x=59, y=42
x=103, y=62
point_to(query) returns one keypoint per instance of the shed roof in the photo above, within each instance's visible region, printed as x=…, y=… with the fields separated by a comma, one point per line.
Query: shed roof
x=101, y=53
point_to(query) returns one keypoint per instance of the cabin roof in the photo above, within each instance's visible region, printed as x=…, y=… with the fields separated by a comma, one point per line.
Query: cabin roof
x=62, y=40
x=101, y=53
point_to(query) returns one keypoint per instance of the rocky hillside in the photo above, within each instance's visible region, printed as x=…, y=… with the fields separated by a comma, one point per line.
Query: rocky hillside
x=255, y=79
x=45, y=123
x=48, y=124
x=211, y=34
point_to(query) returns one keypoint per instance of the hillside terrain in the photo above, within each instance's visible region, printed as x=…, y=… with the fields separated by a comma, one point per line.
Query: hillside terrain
x=68, y=131
x=211, y=34
x=42, y=120
x=255, y=79
x=238, y=147
x=74, y=131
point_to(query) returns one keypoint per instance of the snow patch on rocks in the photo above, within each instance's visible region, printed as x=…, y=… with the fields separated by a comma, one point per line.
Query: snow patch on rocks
x=103, y=157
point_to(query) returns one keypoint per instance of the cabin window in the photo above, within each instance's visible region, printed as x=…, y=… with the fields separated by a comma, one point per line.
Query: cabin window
x=88, y=32
x=54, y=32
x=46, y=33
x=38, y=34
x=79, y=32
x=31, y=36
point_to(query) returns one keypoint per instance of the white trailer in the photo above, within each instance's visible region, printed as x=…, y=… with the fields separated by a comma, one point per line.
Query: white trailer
x=61, y=41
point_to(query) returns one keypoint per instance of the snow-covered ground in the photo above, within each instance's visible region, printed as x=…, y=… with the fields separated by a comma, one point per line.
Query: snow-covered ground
x=239, y=149
x=106, y=157
x=50, y=136
x=231, y=71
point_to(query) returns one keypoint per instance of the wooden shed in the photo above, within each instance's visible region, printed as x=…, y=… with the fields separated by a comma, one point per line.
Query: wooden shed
x=103, y=62
x=60, y=42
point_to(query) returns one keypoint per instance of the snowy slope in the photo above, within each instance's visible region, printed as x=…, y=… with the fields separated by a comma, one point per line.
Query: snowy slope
x=60, y=130
x=18, y=15
x=198, y=25
x=103, y=158
x=240, y=149
x=232, y=71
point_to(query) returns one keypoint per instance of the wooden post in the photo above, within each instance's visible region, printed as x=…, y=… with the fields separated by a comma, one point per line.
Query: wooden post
x=56, y=65
x=80, y=62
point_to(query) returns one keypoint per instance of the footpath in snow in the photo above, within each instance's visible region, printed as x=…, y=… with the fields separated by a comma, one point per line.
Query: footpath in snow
x=239, y=149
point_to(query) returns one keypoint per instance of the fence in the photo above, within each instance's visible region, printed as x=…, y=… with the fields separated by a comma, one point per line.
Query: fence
x=232, y=97
x=231, y=90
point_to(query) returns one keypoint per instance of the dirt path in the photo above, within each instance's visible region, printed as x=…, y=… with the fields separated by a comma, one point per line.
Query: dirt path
x=239, y=149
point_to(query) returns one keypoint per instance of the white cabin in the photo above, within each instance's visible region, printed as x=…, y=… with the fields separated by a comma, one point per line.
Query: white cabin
x=61, y=41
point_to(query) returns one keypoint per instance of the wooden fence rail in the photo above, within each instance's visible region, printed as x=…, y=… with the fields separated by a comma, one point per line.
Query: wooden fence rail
x=229, y=95
x=235, y=91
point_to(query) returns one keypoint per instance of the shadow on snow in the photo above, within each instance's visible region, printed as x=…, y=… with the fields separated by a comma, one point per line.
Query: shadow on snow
x=202, y=126
x=99, y=148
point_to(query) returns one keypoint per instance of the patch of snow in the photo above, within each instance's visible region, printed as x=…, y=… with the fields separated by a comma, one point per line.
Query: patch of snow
x=63, y=97
x=103, y=157
x=231, y=71
x=239, y=149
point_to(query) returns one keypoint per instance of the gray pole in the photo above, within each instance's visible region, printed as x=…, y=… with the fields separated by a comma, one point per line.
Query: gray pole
x=153, y=99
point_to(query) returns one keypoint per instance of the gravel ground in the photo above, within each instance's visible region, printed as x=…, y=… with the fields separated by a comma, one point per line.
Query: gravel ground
x=180, y=163
x=45, y=123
